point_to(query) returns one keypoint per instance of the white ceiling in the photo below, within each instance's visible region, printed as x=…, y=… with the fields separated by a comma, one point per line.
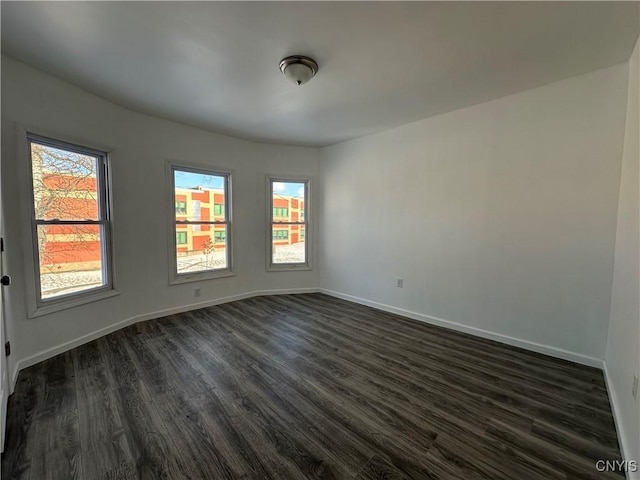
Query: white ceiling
x=382, y=64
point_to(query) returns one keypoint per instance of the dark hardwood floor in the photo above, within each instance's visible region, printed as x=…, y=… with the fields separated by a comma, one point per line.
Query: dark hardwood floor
x=305, y=386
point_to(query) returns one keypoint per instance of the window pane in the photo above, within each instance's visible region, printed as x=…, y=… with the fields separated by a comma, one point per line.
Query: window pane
x=288, y=244
x=70, y=259
x=205, y=248
x=287, y=201
x=64, y=184
x=199, y=197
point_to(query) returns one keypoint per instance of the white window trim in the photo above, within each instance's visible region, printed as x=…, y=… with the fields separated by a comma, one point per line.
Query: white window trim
x=287, y=267
x=36, y=306
x=174, y=277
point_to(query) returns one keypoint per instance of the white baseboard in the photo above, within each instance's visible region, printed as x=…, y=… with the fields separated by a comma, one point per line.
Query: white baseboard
x=615, y=409
x=4, y=394
x=14, y=377
x=515, y=342
x=63, y=347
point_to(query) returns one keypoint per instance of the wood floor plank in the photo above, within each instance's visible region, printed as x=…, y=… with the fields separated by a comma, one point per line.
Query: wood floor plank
x=151, y=447
x=273, y=417
x=453, y=354
x=104, y=445
x=192, y=439
x=482, y=346
x=320, y=362
x=377, y=468
x=461, y=347
x=305, y=386
x=568, y=461
x=57, y=451
x=369, y=370
x=227, y=400
x=59, y=394
x=593, y=423
x=563, y=438
x=243, y=456
x=390, y=424
x=124, y=472
x=22, y=408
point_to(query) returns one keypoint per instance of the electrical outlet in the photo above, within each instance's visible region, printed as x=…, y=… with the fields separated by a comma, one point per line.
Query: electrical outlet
x=400, y=283
x=634, y=388
x=196, y=292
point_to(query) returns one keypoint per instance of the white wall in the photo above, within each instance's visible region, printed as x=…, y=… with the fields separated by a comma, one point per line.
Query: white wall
x=141, y=144
x=622, y=355
x=500, y=217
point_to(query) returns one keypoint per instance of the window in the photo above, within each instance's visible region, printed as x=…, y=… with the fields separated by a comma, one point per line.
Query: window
x=70, y=221
x=181, y=238
x=280, y=235
x=202, y=248
x=280, y=212
x=288, y=214
x=181, y=207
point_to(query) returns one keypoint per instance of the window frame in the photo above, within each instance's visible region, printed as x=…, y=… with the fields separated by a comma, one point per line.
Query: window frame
x=39, y=306
x=176, y=278
x=306, y=222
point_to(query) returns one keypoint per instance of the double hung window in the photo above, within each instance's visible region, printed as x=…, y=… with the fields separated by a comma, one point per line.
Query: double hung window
x=201, y=223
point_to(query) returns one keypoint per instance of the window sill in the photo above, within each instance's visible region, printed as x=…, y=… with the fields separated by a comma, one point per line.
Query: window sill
x=54, y=307
x=202, y=276
x=289, y=267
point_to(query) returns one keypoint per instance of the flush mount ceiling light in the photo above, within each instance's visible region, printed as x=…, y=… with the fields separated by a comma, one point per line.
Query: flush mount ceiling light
x=298, y=69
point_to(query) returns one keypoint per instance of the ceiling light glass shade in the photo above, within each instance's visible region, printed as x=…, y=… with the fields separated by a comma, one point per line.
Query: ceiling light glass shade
x=298, y=73
x=298, y=69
